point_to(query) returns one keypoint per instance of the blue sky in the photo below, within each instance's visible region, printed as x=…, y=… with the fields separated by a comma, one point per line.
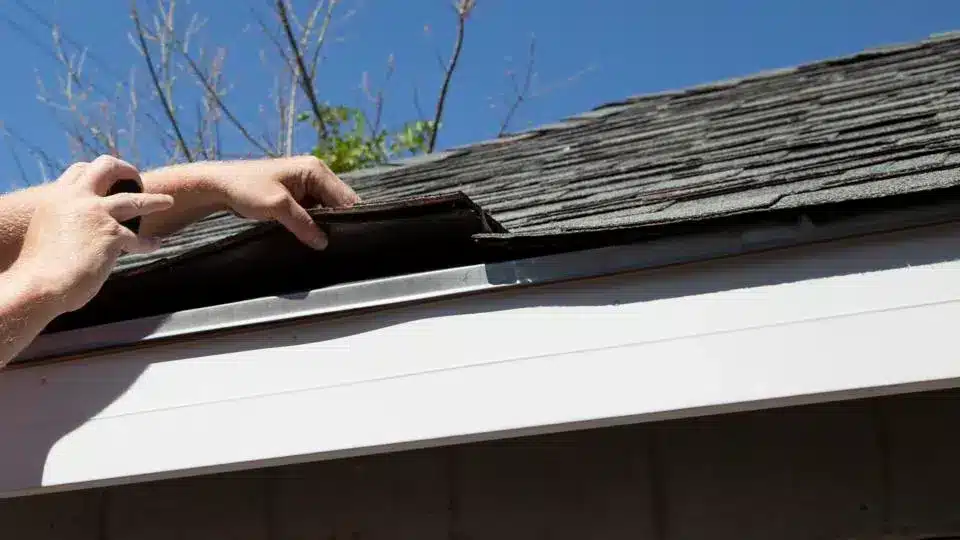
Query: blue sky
x=617, y=47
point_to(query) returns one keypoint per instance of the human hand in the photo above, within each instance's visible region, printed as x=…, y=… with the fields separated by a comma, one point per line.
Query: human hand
x=281, y=189
x=75, y=237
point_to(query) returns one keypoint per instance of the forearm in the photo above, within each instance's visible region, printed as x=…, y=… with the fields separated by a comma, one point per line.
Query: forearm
x=16, y=209
x=191, y=185
x=194, y=190
x=25, y=310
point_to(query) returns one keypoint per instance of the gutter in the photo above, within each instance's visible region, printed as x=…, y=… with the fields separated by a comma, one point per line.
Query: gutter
x=478, y=278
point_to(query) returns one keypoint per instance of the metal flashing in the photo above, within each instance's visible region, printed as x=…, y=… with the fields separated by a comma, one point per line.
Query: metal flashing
x=461, y=280
x=823, y=322
x=369, y=241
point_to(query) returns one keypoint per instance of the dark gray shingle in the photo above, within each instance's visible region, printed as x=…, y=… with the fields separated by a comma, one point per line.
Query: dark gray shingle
x=879, y=123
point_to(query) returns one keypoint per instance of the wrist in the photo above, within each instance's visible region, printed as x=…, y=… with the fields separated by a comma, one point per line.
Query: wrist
x=193, y=185
x=198, y=190
x=45, y=300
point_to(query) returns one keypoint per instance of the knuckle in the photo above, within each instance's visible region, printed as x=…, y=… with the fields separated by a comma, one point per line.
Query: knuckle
x=107, y=160
x=110, y=228
x=276, y=202
x=313, y=162
x=112, y=165
x=73, y=171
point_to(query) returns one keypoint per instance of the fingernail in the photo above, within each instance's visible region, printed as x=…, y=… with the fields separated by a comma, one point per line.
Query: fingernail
x=320, y=241
x=151, y=243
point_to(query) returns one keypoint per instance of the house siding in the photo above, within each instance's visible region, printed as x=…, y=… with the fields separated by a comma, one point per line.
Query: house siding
x=875, y=468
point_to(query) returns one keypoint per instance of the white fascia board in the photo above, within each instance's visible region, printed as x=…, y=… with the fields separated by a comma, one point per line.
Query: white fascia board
x=835, y=320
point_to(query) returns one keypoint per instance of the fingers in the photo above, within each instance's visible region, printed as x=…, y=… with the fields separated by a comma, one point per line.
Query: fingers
x=100, y=174
x=124, y=206
x=131, y=243
x=293, y=216
x=325, y=186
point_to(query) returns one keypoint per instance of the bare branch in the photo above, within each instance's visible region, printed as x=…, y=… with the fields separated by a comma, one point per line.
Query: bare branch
x=167, y=141
x=520, y=92
x=301, y=71
x=75, y=93
x=213, y=95
x=288, y=110
x=463, y=8
x=24, y=180
x=44, y=21
x=321, y=37
x=378, y=99
x=441, y=63
x=280, y=48
x=42, y=157
x=416, y=104
x=167, y=107
x=132, y=119
x=290, y=118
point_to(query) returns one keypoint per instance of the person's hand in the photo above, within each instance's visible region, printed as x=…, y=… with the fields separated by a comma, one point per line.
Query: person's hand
x=277, y=189
x=75, y=237
x=281, y=190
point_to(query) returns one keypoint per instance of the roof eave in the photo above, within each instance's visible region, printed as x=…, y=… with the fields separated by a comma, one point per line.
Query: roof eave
x=427, y=286
x=827, y=321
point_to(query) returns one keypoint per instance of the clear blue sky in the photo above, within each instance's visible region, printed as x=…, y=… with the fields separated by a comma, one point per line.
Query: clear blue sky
x=627, y=47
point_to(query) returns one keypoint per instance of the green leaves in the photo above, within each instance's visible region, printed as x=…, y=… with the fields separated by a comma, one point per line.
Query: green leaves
x=354, y=143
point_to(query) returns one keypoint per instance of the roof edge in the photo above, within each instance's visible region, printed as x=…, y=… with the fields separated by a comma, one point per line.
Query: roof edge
x=614, y=107
x=488, y=277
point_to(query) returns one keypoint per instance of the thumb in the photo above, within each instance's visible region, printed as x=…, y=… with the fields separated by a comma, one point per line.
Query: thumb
x=298, y=221
x=124, y=206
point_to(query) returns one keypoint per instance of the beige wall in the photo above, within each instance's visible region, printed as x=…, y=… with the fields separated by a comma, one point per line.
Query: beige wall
x=887, y=468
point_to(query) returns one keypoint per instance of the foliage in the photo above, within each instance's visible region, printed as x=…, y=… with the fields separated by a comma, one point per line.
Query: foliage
x=352, y=143
x=177, y=104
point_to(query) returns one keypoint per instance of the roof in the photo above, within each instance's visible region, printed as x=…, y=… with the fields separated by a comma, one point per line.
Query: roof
x=878, y=124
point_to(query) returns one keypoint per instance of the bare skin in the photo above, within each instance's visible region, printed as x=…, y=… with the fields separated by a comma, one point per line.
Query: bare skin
x=60, y=241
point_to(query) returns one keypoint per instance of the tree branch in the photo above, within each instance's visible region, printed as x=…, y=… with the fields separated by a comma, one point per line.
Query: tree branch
x=321, y=38
x=301, y=72
x=167, y=107
x=416, y=104
x=520, y=92
x=41, y=156
x=463, y=8
x=16, y=159
x=214, y=95
x=378, y=99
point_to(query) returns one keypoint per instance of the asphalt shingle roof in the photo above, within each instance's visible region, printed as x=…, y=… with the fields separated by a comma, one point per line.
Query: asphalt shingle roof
x=880, y=123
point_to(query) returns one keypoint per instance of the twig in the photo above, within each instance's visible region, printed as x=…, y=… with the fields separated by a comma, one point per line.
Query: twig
x=201, y=132
x=463, y=9
x=520, y=92
x=436, y=51
x=42, y=157
x=132, y=118
x=379, y=99
x=321, y=38
x=273, y=39
x=83, y=142
x=416, y=104
x=214, y=95
x=168, y=109
x=46, y=22
x=74, y=91
x=167, y=141
x=16, y=159
x=301, y=70
x=294, y=69
x=290, y=118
